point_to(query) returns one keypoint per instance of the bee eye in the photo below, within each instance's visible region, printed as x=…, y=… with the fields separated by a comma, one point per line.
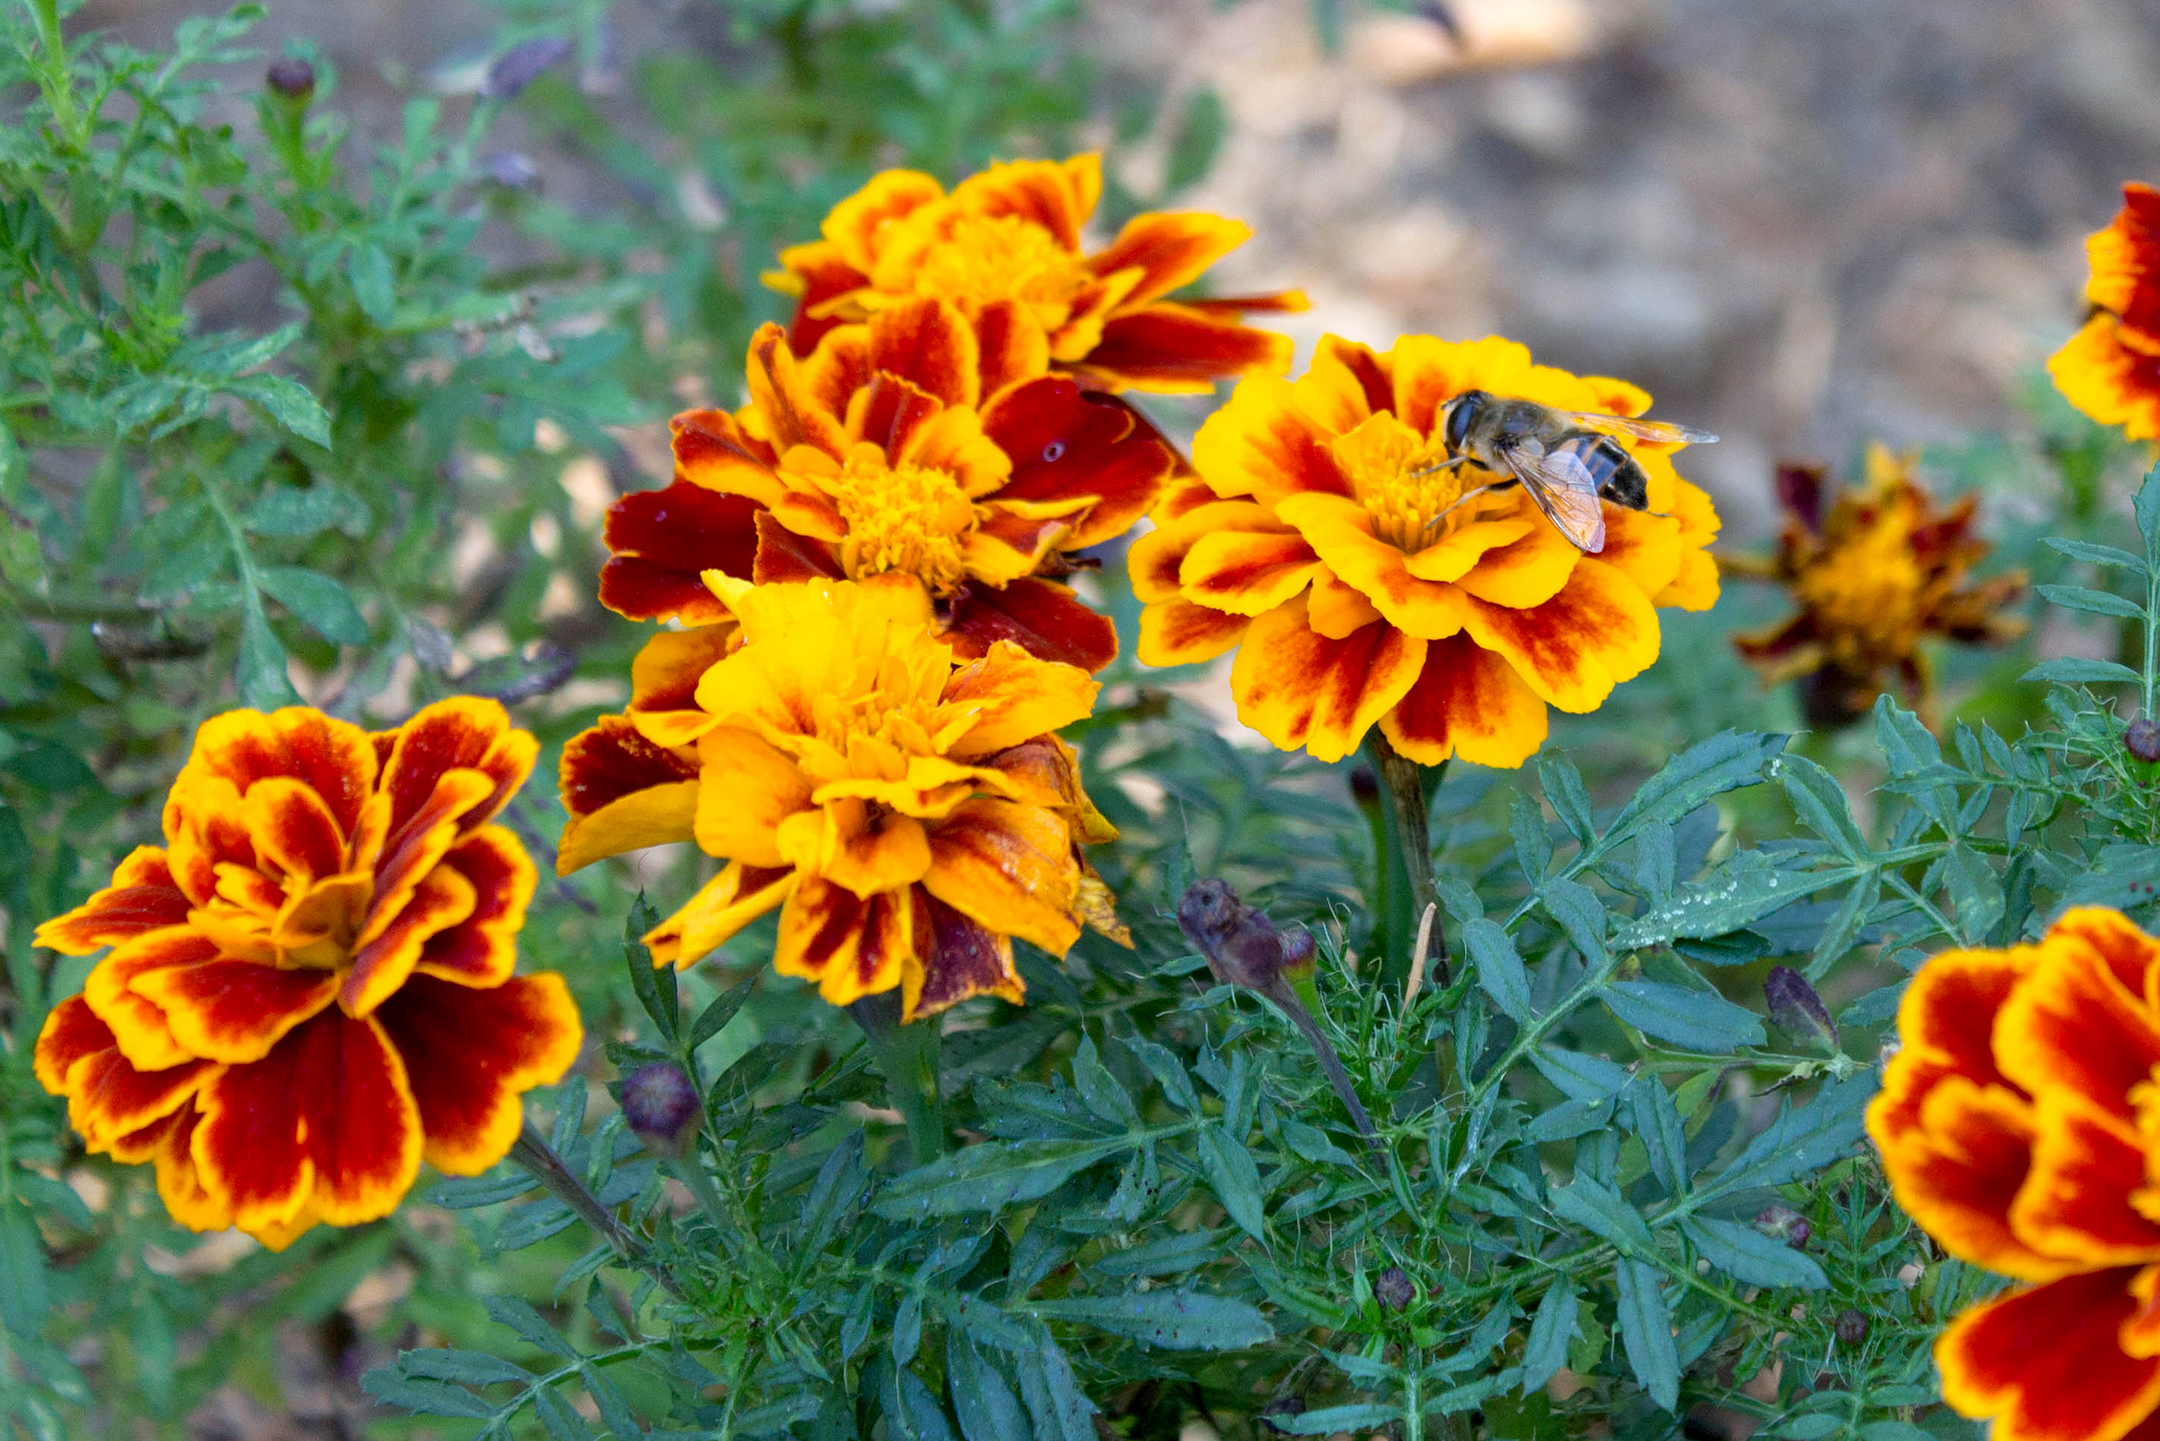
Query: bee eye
x=1053, y=452
x=1457, y=424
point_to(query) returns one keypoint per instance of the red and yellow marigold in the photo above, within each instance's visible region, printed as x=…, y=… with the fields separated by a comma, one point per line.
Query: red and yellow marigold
x=2110, y=369
x=309, y=989
x=909, y=818
x=2020, y=1126
x=907, y=446
x=1005, y=248
x=1356, y=592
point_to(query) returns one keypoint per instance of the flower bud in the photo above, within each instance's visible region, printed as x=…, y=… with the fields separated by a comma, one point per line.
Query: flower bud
x=1795, y=1008
x=1284, y=1407
x=2143, y=739
x=1364, y=787
x=1783, y=1223
x=511, y=169
x=661, y=1107
x=1394, y=1289
x=292, y=78
x=522, y=64
x=1850, y=1328
x=1298, y=947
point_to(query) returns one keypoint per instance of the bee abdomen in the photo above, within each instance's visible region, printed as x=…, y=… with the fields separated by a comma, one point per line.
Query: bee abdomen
x=1619, y=477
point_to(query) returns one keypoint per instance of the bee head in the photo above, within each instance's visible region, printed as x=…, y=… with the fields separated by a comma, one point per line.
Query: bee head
x=1456, y=418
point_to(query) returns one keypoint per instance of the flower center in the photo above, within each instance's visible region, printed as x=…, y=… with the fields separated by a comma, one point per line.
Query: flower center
x=981, y=259
x=1865, y=592
x=906, y=518
x=1389, y=467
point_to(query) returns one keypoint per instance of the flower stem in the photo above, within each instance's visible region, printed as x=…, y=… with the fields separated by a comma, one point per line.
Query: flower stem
x=541, y=1162
x=908, y=1056
x=1402, y=781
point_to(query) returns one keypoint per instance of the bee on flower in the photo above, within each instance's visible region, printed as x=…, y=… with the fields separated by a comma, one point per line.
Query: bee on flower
x=1004, y=247
x=1874, y=574
x=908, y=818
x=309, y=989
x=1366, y=573
x=2110, y=369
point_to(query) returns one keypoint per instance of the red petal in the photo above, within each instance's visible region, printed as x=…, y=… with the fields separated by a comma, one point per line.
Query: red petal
x=1039, y=616
x=462, y=733
x=892, y=409
x=782, y=555
x=142, y=897
x=612, y=760
x=2045, y=1362
x=663, y=540
x=470, y=1054
x=481, y=949
x=929, y=344
x=962, y=958
x=227, y=1010
x=1167, y=344
x=1065, y=443
x=329, y=756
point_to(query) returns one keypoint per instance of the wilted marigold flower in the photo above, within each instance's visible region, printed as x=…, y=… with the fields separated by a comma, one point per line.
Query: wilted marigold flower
x=898, y=447
x=2110, y=369
x=309, y=989
x=1004, y=246
x=908, y=817
x=2020, y=1126
x=1882, y=570
x=1356, y=591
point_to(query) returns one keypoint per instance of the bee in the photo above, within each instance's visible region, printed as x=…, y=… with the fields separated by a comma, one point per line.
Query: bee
x=1565, y=459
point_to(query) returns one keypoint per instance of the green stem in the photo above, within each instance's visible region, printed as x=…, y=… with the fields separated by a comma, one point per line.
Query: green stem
x=692, y=1173
x=1408, y=800
x=908, y=1057
x=540, y=1161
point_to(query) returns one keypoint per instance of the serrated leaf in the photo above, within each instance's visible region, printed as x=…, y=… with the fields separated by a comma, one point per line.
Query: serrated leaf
x=1745, y=1254
x=1822, y=805
x=520, y=1317
x=1233, y=1178
x=1533, y=844
x=1600, y=1210
x=1580, y=914
x=426, y=1398
x=1169, y=1073
x=1099, y=1090
x=989, y=1176
x=374, y=285
x=562, y=1422
x=260, y=671
x=719, y=1011
x=1801, y=1141
x=1563, y=787
x=982, y=1399
x=2147, y=510
x=1695, y=1020
x=474, y=1368
x=291, y=510
x=1656, y=1120
x=1581, y=1076
x=1646, y=1332
x=1170, y=1320
x=2093, y=602
x=319, y=600
x=2094, y=554
x=1546, y=1350
x=288, y=402
x=23, y=1292
x=1055, y=1402
x=1725, y=762
x=1737, y=893
x=1500, y=971
x=2079, y=670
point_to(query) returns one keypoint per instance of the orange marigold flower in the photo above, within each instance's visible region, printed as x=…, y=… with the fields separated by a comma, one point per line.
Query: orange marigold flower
x=1005, y=248
x=2110, y=369
x=910, y=818
x=309, y=989
x=2020, y=1126
x=1884, y=569
x=1356, y=591
x=903, y=446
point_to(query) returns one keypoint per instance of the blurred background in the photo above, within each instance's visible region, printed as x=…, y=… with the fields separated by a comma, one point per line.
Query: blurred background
x=1800, y=223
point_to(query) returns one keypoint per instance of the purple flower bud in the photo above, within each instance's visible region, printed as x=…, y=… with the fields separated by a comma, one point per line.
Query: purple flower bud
x=511, y=169
x=521, y=65
x=661, y=1106
x=1850, y=1328
x=1298, y=946
x=1364, y=787
x=1783, y=1223
x=292, y=78
x=1795, y=1008
x=1394, y=1289
x=2143, y=739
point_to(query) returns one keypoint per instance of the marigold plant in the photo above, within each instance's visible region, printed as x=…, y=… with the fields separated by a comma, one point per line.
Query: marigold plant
x=2018, y=1125
x=1320, y=544
x=2110, y=369
x=903, y=446
x=309, y=989
x=1884, y=569
x=908, y=817
x=1005, y=247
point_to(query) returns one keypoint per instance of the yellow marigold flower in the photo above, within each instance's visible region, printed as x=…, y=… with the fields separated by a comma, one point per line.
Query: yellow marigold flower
x=901, y=446
x=2110, y=369
x=309, y=989
x=1355, y=591
x=2020, y=1126
x=1004, y=247
x=910, y=818
x=1884, y=569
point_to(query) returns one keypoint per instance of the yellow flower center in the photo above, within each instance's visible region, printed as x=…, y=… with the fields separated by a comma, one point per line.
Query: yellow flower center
x=906, y=518
x=1389, y=467
x=1865, y=590
x=981, y=259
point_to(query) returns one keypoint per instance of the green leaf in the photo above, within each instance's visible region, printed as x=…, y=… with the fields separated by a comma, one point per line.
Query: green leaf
x=656, y=993
x=2078, y=670
x=1695, y=1020
x=1328, y=1420
x=2093, y=602
x=1233, y=1178
x=2123, y=874
x=1533, y=844
x=1584, y=1077
x=1745, y=1254
x=150, y=1338
x=428, y=1398
x=1822, y=806
x=714, y=1018
x=1200, y=130
x=1798, y=1143
x=1500, y=972
x=1600, y=1210
x=1646, y=1332
x=562, y=1422
x=1550, y=1331
x=374, y=285
x=1563, y=787
x=2093, y=554
x=317, y=599
x=260, y=672
x=289, y=403
x=1657, y=1121
x=982, y=1399
x=1169, y=1073
x=1731, y=897
x=1976, y=893
x=1099, y=1090
x=1727, y=761
x=520, y=1317
x=291, y=510
x=1171, y=1255
x=1580, y=914
x=2147, y=509
x=1170, y=1320
x=989, y=1176
x=1060, y=1410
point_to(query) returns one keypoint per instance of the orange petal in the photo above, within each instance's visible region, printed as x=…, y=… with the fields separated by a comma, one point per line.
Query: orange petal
x=107, y=1098
x=2125, y=258
x=723, y=906
x=958, y=958
x=1340, y=532
x=2075, y=1203
x=1244, y=573
x=786, y=402
x=1645, y=548
x=1263, y=444
x=481, y=950
x=1012, y=343
x=930, y=344
x=419, y=845
x=461, y=733
x=1009, y=867
x=1459, y=552
x=661, y=542
x=326, y=1123
x=470, y=1054
x=855, y=223
x=331, y=757
x=1065, y=443
x=1183, y=350
x=1177, y=632
x=2132, y=956
x=1040, y=616
x=852, y=946
x=665, y=673
x=2044, y=1362
x=443, y=899
x=1156, y=558
x=868, y=852
x=817, y=276
x=180, y=1186
x=71, y=1033
x=1169, y=249
x=1947, y=1015
x=1057, y=195
x=138, y=1026
x=293, y=829
x=142, y=897
x=1336, y=610
x=1527, y=572
x=745, y=789
x=1468, y=702
x=1956, y=1153
x=205, y=828
x=1013, y=697
x=1429, y=372
x=1303, y=690
x=622, y=793
x=2109, y=380
x=1576, y=647
x=2072, y=1024
x=226, y=1010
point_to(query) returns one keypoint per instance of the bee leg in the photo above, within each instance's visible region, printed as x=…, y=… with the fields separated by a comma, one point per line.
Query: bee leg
x=1449, y=464
x=1463, y=499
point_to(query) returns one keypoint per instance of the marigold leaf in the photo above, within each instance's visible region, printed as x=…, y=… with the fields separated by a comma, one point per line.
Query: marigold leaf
x=1169, y=1320
x=1725, y=762
x=1550, y=1331
x=982, y=1398
x=1533, y=841
x=1061, y=1411
x=2080, y=670
x=1801, y=1140
x=1563, y=787
x=2093, y=602
x=1234, y=1179
x=1600, y=1210
x=719, y=1011
x=260, y=671
x=990, y=1176
x=562, y=1422
x=427, y=1398
x=1747, y=1255
x=474, y=1368
x=1696, y=1020
x=1100, y=1090
x=288, y=402
x=2094, y=554
x=1654, y=1117
x=1500, y=971
x=1646, y=1332
x=319, y=600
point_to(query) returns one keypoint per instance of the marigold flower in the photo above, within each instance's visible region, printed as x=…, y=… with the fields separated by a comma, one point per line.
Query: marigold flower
x=1355, y=591
x=1005, y=248
x=910, y=818
x=1883, y=570
x=309, y=989
x=898, y=447
x=2110, y=369
x=2020, y=1127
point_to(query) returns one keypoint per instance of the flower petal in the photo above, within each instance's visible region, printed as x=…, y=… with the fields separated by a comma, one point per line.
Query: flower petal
x=2072, y=1024
x=170, y=1143
x=470, y=1054
x=1263, y=444
x=1066, y=443
x=785, y=401
x=955, y=958
x=864, y=850
x=2075, y=1202
x=1009, y=867
x=1468, y=702
x=293, y=829
x=852, y=946
x=665, y=672
x=142, y=897
x=1177, y=632
x=623, y=793
x=1057, y=195
x=662, y=543
x=1303, y=690
x=1576, y=647
x=1244, y=573
x=461, y=733
x=1340, y=532
x=444, y=898
x=722, y=906
x=1645, y=548
x=746, y=788
x=930, y=344
x=1156, y=558
x=1183, y=350
x=817, y=275
x=481, y=950
x=1527, y=572
x=1014, y=697
x=1335, y=609
x=1039, y=616
x=107, y=1098
x=331, y=757
x=1012, y=343
x=2108, y=379
x=2044, y=1363
x=138, y=1026
x=2125, y=261
x=1171, y=249
x=854, y=225
x=227, y=1010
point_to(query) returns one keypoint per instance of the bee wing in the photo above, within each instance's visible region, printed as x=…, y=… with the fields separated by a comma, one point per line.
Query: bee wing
x=1659, y=431
x=1567, y=492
